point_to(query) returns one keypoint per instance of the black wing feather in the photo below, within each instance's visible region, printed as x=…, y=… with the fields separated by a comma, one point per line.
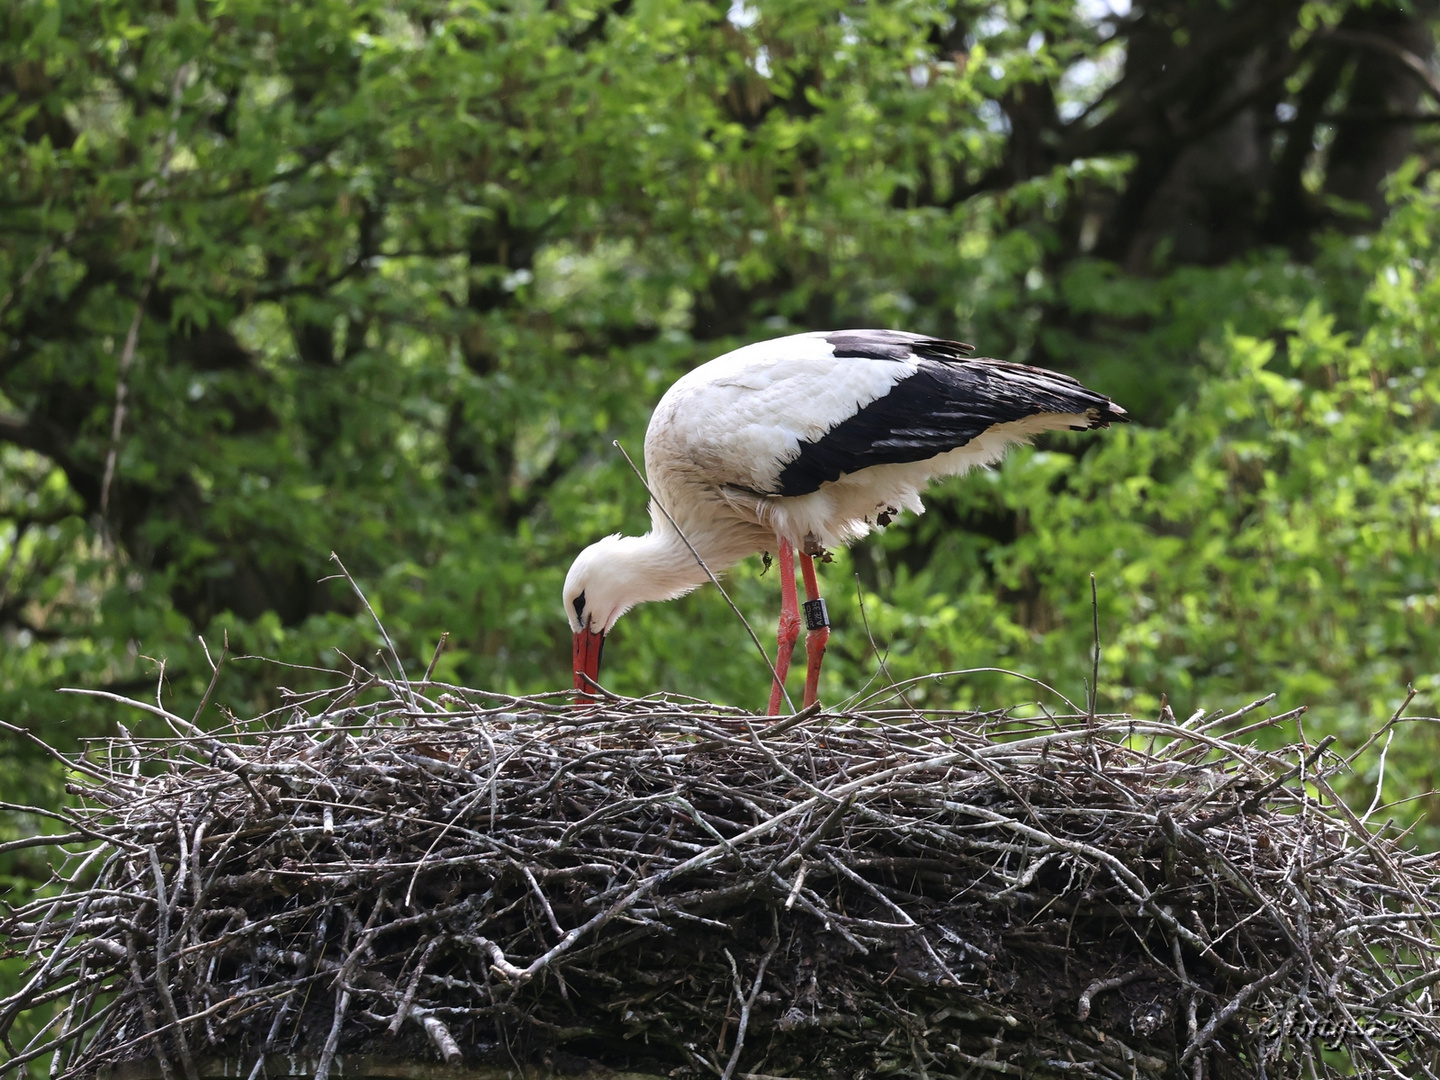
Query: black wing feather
x=894, y=345
x=946, y=403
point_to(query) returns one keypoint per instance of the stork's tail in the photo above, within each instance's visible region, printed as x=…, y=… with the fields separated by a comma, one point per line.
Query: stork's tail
x=1039, y=392
x=1107, y=414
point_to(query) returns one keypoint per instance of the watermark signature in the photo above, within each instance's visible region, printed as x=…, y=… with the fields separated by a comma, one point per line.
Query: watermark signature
x=1334, y=1032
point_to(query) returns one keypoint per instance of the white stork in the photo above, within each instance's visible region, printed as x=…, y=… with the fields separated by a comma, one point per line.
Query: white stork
x=806, y=443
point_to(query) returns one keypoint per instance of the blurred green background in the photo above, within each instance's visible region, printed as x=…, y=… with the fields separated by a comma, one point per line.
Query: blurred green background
x=387, y=278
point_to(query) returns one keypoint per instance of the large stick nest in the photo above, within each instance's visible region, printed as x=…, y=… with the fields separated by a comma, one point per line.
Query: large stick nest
x=699, y=892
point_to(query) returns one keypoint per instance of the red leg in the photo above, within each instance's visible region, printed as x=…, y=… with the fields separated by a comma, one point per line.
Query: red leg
x=789, y=631
x=817, y=621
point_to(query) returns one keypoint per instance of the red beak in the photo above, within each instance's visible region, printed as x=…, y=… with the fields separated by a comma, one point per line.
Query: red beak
x=588, y=645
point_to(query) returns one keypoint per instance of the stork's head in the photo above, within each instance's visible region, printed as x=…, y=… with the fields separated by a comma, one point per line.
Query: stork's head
x=595, y=597
x=610, y=577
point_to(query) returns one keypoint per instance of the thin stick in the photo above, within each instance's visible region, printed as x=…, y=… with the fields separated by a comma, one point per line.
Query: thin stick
x=879, y=656
x=214, y=677
x=747, y=1003
x=1380, y=779
x=1221, y=721
x=978, y=671
x=1095, y=663
x=1395, y=718
x=384, y=634
x=1099, y=986
x=439, y=648
x=176, y=723
x=738, y=613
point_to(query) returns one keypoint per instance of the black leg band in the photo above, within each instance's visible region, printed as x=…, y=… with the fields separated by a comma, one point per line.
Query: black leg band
x=816, y=615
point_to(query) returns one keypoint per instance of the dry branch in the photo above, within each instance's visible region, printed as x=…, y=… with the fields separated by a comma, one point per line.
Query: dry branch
x=684, y=889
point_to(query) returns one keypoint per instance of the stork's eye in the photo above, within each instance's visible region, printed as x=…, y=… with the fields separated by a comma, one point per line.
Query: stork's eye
x=579, y=603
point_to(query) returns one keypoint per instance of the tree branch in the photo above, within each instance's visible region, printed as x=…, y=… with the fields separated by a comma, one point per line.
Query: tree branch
x=1379, y=43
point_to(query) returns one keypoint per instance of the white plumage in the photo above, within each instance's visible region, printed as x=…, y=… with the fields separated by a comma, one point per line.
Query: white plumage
x=805, y=443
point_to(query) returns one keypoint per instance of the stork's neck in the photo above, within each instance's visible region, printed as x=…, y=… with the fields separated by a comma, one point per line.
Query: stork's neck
x=656, y=566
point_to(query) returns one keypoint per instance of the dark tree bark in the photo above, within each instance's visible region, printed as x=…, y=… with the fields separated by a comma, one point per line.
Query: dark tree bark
x=1389, y=53
x=1221, y=147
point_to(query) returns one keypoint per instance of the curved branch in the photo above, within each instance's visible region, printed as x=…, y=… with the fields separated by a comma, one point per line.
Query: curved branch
x=1379, y=43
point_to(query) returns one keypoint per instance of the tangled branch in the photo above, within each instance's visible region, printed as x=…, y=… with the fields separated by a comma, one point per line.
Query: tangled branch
x=687, y=890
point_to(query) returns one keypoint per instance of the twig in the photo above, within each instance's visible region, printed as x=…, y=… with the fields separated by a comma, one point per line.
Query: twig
x=450, y=1051
x=1095, y=661
x=1395, y=718
x=747, y=1003
x=439, y=648
x=1379, y=779
x=879, y=656
x=408, y=1001
x=1221, y=721
x=214, y=675
x=937, y=676
x=1231, y=1007
x=1387, y=47
x=1099, y=986
x=413, y=702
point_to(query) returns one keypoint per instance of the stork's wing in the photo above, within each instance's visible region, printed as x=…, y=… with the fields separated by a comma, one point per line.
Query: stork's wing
x=946, y=402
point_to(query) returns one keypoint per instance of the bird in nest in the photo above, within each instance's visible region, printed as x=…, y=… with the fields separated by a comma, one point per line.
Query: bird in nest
x=800, y=445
